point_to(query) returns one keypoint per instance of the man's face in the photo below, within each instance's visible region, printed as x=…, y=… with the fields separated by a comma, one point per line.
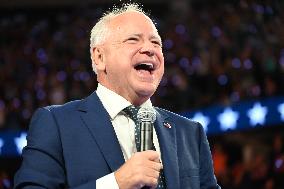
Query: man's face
x=132, y=62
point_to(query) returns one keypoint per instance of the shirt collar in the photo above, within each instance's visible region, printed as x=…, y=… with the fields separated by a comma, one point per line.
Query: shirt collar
x=114, y=103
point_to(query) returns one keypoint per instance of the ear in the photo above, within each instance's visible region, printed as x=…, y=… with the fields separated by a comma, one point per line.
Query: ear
x=98, y=59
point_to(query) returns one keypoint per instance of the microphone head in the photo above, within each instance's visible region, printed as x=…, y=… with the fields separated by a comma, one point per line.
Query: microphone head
x=146, y=115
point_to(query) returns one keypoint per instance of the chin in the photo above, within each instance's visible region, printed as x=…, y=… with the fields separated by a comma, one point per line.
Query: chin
x=145, y=90
x=147, y=93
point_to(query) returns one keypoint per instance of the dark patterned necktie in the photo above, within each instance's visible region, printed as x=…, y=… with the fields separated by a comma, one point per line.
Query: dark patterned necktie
x=132, y=111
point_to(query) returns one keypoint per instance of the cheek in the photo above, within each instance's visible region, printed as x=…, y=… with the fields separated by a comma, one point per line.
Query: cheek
x=160, y=55
x=161, y=73
x=162, y=66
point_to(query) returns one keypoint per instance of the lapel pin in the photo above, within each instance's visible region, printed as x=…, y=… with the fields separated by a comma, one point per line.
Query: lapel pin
x=166, y=124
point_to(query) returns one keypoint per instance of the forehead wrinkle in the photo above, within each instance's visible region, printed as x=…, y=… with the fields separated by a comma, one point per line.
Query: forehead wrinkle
x=116, y=43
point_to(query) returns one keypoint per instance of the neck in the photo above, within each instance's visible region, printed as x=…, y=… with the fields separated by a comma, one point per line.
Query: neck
x=134, y=98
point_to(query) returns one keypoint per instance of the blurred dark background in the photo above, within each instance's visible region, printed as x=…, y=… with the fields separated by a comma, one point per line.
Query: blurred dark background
x=216, y=53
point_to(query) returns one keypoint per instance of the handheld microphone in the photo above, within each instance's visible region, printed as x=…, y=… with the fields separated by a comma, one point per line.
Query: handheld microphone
x=146, y=118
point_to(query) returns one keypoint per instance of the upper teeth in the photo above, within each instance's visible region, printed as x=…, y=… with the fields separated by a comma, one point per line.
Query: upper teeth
x=149, y=64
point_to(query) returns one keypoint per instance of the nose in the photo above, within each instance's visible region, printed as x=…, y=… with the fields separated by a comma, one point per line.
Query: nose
x=147, y=48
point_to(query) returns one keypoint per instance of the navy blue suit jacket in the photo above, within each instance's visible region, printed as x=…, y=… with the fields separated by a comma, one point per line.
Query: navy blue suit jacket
x=72, y=145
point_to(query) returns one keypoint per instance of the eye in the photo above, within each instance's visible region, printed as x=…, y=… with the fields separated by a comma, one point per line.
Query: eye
x=157, y=43
x=132, y=39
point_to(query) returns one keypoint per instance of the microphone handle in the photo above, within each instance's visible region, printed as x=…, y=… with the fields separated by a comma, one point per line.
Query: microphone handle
x=146, y=139
x=146, y=136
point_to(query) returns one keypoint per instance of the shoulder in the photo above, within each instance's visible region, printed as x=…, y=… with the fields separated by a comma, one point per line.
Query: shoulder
x=86, y=104
x=179, y=119
x=185, y=128
x=47, y=113
x=67, y=107
x=53, y=113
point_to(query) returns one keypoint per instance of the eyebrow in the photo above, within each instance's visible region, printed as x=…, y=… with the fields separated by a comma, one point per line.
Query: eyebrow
x=151, y=37
x=156, y=37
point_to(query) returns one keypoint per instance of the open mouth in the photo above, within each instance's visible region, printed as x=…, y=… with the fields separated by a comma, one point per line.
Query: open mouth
x=145, y=66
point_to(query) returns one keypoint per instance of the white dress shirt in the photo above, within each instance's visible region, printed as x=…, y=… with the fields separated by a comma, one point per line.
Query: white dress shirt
x=124, y=128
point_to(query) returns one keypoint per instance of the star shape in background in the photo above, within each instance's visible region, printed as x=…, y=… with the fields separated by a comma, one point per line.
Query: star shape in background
x=257, y=114
x=281, y=110
x=228, y=119
x=21, y=142
x=1, y=144
x=202, y=119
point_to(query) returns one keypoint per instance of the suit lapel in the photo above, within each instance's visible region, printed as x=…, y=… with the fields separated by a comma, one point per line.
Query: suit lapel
x=167, y=140
x=98, y=122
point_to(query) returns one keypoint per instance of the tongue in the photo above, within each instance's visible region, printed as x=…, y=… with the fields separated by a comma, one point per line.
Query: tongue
x=143, y=71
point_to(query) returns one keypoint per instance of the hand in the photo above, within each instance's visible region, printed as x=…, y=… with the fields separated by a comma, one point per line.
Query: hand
x=142, y=169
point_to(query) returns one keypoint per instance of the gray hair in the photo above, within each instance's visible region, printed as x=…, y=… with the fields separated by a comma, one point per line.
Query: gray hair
x=100, y=31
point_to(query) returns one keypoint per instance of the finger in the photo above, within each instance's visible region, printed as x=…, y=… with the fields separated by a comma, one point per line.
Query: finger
x=152, y=155
x=151, y=182
x=152, y=173
x=148, y=178
x=149, y=155
x=154, y=165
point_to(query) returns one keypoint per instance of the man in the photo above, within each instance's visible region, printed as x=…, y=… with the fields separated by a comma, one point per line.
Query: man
x=90, y=143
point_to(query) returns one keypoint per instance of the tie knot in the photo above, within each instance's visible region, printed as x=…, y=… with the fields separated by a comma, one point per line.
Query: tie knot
x=132, y=112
